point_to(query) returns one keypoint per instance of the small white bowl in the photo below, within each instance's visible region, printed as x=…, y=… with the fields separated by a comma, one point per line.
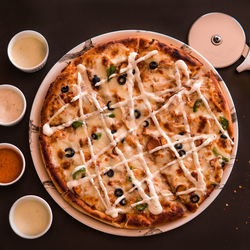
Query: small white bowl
x=20, y=93
x=12, y=211
x=18, y=151
x=22, y=34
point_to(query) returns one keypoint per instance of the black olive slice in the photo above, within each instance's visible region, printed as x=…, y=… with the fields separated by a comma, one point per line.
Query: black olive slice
x=122, y=79
x=108, y=106
x=70, y=153
x=153, y=65
x=110, y=173
x=145, y=124
x=178, y=146
x=182, y=133
x=94, y=136
x=113, y=131
x=118, y=192
x=223, y=136
x=137, y=114
x=123, y=202
x=65, y=89
x=194, y=198
x=182, y=152
x=95, y=80
x=223, y=164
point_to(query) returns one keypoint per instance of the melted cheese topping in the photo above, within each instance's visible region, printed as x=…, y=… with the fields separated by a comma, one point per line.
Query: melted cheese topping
x=94, y=181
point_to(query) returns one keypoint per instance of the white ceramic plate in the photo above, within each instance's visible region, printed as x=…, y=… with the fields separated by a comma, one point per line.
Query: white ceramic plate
x=35, y=121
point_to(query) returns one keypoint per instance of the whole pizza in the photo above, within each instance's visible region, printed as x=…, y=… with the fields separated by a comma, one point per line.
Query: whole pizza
x=136, y=133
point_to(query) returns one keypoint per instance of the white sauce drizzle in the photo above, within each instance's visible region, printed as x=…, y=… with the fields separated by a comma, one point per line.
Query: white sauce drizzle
x=171, y=146
x=201, y=182
x=153, y=202
x=196, y=87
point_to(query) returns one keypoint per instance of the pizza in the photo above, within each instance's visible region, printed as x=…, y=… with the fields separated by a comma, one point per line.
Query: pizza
x=136, y=133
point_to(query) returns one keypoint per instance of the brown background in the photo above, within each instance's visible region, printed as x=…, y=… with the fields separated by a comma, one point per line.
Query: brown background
x=68, y=23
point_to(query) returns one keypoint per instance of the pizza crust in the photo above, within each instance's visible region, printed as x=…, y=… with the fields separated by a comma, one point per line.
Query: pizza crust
x=176, y=208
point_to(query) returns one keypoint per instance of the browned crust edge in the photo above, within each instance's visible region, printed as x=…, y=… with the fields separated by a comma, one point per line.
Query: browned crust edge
x=142, y=43
x=52, y=170
x=129, y=221
x=81, y=206
x=177, y=53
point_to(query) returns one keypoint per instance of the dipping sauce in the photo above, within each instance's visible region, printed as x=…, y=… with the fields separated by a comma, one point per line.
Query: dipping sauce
x=11, y=165
x=11, y=105
x=31, y=217
x=28, y=52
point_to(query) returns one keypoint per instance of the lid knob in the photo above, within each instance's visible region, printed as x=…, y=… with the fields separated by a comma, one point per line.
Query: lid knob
x=216, y=40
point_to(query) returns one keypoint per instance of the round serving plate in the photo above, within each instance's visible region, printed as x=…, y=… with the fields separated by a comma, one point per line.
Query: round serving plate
x=35, y=122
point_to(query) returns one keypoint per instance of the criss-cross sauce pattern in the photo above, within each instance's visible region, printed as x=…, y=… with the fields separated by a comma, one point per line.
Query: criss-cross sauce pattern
x=184, y=86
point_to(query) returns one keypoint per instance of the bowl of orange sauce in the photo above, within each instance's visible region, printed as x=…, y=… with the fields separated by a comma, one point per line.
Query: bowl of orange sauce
x=12, y=164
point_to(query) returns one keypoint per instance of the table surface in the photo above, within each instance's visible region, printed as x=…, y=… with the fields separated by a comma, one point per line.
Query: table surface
x=224, y=224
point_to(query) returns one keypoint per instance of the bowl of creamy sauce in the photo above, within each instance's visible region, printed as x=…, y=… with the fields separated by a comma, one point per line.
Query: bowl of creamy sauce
x=12, y=164
x=30, y=217
x=28, y=51
x=12, y=105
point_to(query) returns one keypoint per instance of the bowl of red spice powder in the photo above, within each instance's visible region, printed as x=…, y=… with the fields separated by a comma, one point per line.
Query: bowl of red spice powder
x=12, y=164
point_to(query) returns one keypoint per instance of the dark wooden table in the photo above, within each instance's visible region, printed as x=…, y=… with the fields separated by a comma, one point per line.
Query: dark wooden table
x=224, y=224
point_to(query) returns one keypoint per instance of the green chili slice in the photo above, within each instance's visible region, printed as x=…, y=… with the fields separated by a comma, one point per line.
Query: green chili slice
x=141, y=207
x=224, y=122
x=77, y=124
x=112, y=115
x=110, y=71
x=80, y=171
x=99, y=135
x=197, y=105
x=216, y=153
